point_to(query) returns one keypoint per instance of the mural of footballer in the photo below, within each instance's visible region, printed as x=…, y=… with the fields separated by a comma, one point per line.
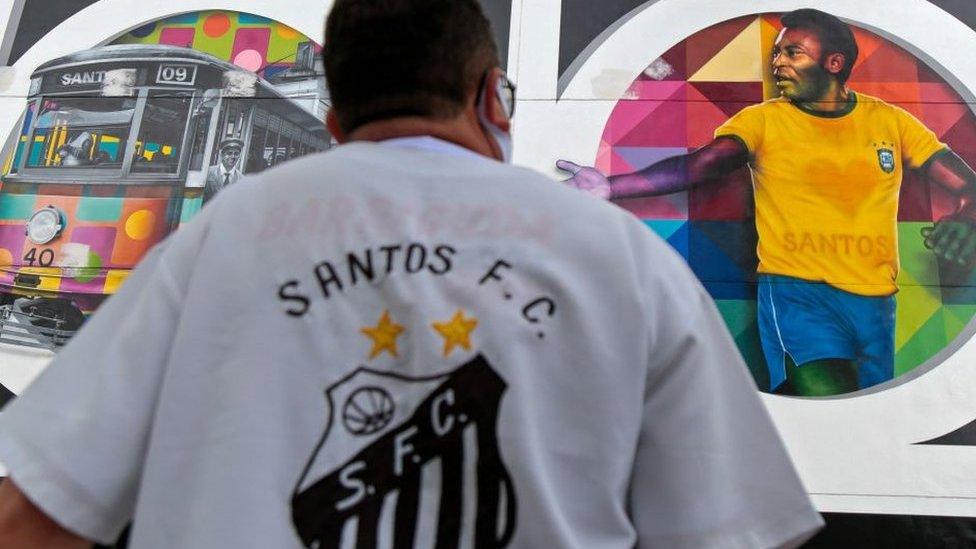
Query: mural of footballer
x=821, y=157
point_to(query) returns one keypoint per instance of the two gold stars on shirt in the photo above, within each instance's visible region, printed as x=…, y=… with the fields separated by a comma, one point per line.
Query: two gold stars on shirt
x=456, y=332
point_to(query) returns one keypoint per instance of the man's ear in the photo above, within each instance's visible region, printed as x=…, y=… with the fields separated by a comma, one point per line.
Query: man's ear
x=332, y=123
x=834, y=63
x=494, y=111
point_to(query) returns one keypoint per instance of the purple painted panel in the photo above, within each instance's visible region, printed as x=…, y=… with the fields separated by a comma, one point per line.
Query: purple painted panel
x=177, y=37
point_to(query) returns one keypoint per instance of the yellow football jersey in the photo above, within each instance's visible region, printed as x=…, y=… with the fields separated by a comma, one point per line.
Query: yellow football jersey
x=826, y=188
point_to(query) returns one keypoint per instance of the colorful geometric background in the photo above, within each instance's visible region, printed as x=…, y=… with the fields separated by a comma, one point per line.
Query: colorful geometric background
x=675, y=105
x=249, y=41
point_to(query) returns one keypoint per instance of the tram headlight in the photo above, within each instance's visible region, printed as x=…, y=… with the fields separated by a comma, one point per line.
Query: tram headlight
x=35, y=87
x=45, y=225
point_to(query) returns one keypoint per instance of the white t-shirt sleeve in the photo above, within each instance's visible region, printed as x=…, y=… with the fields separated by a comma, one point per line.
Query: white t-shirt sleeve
x=710, y=469
x=74, y=441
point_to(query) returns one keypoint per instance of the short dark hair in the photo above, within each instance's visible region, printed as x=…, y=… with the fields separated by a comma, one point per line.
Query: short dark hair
x=835, y=36
x=389, y=58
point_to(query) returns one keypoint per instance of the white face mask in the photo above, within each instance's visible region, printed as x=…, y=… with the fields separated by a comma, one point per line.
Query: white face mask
x=502, y=139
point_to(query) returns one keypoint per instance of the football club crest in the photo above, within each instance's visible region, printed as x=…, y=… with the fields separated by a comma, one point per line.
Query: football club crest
x=886, y=159
x=389, y=443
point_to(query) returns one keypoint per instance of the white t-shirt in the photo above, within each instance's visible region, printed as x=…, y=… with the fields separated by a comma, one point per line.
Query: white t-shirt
x=406, y=341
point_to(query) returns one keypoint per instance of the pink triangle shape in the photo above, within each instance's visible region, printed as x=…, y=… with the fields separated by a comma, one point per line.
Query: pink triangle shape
x=663, y=126
x=941, y=107
x=703, y=118
x=603, y=154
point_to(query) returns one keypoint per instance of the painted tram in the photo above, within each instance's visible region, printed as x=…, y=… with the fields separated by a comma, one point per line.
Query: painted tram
x=114, y=152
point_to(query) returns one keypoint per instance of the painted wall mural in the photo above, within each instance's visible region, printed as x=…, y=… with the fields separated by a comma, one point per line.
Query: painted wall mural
x=251, y=42
x=645, y=92
x=681, y=98
x=617, y=85
x=122, y=143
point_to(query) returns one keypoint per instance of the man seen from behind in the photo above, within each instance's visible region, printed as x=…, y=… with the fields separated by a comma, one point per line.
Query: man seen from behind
x=403, y=342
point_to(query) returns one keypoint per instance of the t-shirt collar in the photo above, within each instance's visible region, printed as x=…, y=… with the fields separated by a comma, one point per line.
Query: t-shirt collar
x=429, y=143
x=848, y=107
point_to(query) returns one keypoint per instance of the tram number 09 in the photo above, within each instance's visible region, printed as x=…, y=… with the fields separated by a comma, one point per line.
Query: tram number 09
x=176, y=74
x=44, y=259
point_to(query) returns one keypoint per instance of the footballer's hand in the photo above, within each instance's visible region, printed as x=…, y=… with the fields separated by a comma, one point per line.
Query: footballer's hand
x=585, y=178
x=953, y=239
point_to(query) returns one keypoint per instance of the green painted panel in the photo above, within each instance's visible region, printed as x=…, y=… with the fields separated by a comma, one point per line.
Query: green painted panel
x=926, y=341
x=91, y=208
x=16, y=207
x=190, y=208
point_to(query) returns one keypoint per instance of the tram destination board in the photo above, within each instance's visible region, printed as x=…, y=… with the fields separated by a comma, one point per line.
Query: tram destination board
x=91, y=77
x=180, y=75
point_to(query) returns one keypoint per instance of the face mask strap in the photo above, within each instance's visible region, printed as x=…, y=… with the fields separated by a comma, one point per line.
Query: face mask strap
x=502, y=139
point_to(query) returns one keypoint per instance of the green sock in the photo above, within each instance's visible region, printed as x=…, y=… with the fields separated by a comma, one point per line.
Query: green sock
x=825, y=377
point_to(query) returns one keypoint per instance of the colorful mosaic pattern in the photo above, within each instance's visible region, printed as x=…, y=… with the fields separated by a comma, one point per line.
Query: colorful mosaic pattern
x=677, y=102
x=249, y=41
x=108, y=230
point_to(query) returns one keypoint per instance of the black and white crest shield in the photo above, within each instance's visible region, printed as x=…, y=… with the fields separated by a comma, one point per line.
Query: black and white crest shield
x=402, y=458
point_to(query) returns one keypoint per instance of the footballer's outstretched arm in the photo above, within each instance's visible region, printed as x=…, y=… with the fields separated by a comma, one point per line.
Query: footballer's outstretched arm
x=667, y=176
x=954, y=236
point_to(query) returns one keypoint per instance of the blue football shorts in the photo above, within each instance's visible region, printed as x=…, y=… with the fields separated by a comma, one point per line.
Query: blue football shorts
x=813, y=320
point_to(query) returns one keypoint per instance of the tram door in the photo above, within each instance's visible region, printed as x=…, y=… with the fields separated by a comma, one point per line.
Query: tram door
x=200, y=137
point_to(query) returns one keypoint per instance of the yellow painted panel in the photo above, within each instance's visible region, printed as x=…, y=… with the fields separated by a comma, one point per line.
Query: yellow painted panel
x=114, y=279
x=737, y=61
x=50, y=277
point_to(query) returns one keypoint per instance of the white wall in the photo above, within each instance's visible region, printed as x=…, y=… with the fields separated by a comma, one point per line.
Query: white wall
x=869, y=464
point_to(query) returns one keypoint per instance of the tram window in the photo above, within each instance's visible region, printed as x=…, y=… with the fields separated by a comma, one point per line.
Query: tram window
x=160, y=139
x=199, y=126
x=254, y=158
x=284, y=150
x=255, y=153
x=271, y=149
x=13, y=163
x=81, y=132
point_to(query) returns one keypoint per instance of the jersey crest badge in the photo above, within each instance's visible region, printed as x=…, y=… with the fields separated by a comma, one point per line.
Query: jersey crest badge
x=408, y=462
x=886, y=158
